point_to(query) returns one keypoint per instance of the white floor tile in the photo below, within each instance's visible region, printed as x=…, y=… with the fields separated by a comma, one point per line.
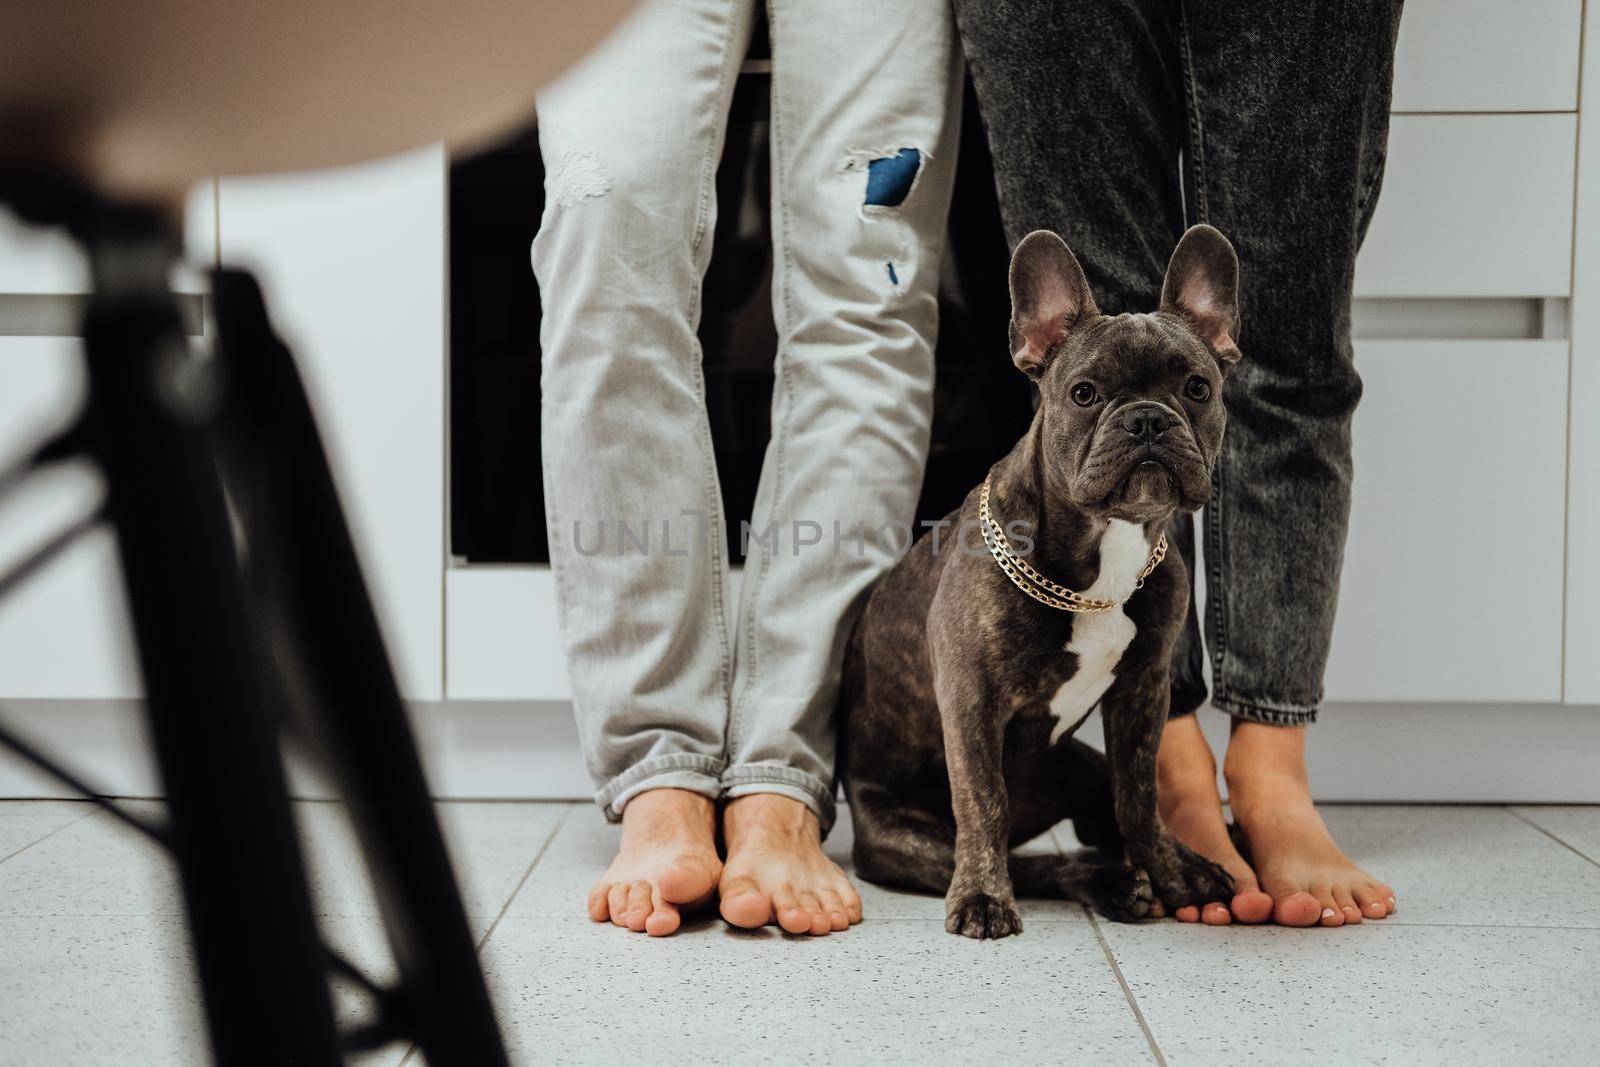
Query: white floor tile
x=26, y=822
x=1468, y=865
x=491, y=846
x=89, y=990
x=1375, y=993
x=99, y=867
x=569, y=991
x=120, y=990
x=1578, y=826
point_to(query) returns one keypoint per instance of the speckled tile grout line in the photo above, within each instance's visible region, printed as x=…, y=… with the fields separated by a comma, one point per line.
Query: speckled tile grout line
x=1133, y=1004
x=94, y=809
x=1553, y=837
x=484, y=940
x=537, y=856
x=1116, y=970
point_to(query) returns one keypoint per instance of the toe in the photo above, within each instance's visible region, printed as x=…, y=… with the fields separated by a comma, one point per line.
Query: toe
x=664, y=918
x=1215, y=914
x=1296, y=909
x=852, y=904
x=1158, y=910
x=834, y=907
x=1373, y=900
x=1251, y=906
x=744, y=904
x=1187, y=914
x=791, y=916
x=811, y=904
x=1329, y=915
x=599, y=909
x=617, y=903
x=638, y=905
x=688, y=880
x=1346, y=905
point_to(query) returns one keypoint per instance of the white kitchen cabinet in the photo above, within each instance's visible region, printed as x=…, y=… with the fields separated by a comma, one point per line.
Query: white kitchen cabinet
x=1473, y=206
x=503, y=638
x=352, y=263
x=1453, y=572
x=1583, y=475
x=1488, y=55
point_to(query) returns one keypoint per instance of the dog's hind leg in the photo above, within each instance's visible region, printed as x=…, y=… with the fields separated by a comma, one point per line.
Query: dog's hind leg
x=1095, y=879
x=901, y=846
x=1086, y=777
x=1070, y=780
x=907, y=848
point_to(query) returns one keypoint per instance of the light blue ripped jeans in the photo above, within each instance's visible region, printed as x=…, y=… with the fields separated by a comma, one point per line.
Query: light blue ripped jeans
x=673, y=684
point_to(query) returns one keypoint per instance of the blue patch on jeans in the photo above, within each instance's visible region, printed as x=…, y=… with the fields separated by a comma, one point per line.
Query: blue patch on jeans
x=889, y=181
x=894, y=279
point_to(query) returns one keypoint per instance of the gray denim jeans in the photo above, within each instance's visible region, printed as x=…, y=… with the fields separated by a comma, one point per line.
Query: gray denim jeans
x=673, y=685
x=1279, y=113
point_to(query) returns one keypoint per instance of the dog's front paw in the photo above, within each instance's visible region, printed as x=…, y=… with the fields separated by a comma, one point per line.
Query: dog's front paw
x=1121, y=894
x=1181, y=876
x=982, y=915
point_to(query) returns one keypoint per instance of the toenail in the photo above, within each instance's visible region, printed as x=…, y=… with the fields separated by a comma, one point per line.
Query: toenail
x=1328, y=913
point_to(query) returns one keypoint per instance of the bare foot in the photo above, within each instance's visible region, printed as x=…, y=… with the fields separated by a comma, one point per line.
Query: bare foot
x=776, y=871
x=1191, y=808
x=667, y=863
x=1309, y=879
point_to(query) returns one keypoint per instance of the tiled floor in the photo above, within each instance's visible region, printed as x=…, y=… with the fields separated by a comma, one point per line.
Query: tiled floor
x=1493, y=958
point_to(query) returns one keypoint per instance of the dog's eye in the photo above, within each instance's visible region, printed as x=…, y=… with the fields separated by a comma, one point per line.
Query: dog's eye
x=1083, y=394
x=1197, y=389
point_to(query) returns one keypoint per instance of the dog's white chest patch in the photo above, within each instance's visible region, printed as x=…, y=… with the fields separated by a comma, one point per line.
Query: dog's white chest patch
x=1100, y=639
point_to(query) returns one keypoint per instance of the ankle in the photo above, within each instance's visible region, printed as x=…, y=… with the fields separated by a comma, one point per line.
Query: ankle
x=771, y=816
x=1184, y=763
x=669, y=812
x=1265, y=767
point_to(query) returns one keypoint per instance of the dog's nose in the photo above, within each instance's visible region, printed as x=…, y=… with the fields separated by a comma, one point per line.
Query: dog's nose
x=1146, y=422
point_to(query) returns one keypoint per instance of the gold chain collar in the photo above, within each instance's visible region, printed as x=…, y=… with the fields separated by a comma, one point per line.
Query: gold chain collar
x=1037, y=585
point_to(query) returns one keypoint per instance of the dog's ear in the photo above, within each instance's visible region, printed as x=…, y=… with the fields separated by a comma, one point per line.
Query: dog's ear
x=1202, y=286
x=1049, y=296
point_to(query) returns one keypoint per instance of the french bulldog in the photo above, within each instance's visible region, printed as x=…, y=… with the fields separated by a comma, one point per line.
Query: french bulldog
x=968, y=671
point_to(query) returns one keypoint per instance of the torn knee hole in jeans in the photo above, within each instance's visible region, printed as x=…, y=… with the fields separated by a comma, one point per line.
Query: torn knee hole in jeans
x=892, y=174
x=891, y=177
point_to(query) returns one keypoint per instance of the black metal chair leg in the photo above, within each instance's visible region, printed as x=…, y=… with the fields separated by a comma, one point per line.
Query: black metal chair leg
x=344, y=696
x=152, y=415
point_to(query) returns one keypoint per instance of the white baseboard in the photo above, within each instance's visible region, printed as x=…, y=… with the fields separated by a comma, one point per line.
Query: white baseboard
x=1452, y=753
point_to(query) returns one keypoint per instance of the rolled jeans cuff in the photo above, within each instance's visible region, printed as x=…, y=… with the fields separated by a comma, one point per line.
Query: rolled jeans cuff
x=748, y=778
x=675, y=770
x=1185, y=700
x=1267, y=712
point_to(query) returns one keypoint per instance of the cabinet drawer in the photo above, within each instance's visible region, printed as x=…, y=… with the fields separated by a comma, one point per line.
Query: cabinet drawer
x=1473, y=206
x=1452, y=585
x=1488, y=55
